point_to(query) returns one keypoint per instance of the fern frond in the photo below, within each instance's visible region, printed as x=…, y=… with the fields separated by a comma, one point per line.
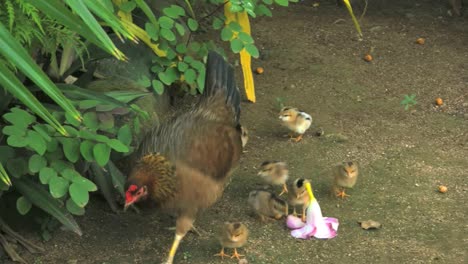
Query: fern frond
x=31, y=12
x=11, y=14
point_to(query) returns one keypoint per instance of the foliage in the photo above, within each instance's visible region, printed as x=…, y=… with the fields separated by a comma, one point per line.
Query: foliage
x=408, y=101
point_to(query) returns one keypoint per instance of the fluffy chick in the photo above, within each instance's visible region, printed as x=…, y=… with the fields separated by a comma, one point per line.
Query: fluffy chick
x=232, y=235
x=345, y=176
x=267, y=205
x=275, y=173
x=298, y=196
x=296, y=120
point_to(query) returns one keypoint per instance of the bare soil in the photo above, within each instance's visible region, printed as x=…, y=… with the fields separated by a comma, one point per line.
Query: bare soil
x=313, y=60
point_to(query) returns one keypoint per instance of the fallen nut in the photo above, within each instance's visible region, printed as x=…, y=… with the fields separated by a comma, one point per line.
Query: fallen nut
x=370, y=224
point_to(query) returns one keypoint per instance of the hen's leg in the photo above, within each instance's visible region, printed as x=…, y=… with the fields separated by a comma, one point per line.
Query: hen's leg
x=183, y=225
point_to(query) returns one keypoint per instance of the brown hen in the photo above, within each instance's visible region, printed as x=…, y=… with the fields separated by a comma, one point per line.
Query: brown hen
x=184, y=163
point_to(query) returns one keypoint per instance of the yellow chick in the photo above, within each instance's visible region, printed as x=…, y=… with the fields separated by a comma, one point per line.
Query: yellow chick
x=267, y=205
x=345, y=176
x=297, y=121
x=232, y=235
x=299, y=196
x=275, y=173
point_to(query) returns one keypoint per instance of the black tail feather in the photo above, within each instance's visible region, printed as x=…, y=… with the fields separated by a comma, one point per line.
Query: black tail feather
x=220, y=77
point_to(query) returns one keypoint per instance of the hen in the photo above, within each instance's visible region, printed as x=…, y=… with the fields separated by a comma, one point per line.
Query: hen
x=184, y=163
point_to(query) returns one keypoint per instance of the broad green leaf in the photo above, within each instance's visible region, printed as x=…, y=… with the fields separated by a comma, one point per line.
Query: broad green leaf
x=118, y=179
x=101, y=153
x=14, y=130
x=282, y=2
x=16, y=54
x=42, y=199
x=263, y=10
x=201, y=81
x=71, y=148
x=71, y=131
x=118, y=146
x=166, y=22
x=181, y=48
x=234, y=26
x=190, y=76
x=194, y=46
x=192, y=24
x=86, y=150
x=217, y=23
x=152, y=31
x=52, y=145
x=167, y=34
x=23, y=205
x=70, y=174
x=252, y=50
x=20, y=118
x=174, y=11
x=87, y=104
x=58, y=187
x=158, y=87
x=128, y=6
x=106, y=121
x=91, y=121
x=6, y=153
x=85, y=134
x=43, y=131
x=180, y=29
x=36, y=142
x=182, y=66
x=125, y=134
x=246, y=38
x=17, y=141
x=78, y=194
x=36, y=163
x=226, y=34
x=236, y=45
x=85, y=183
x=73, y=208
x=60, y=165
x=237, y=8
x=268, y=2
x=72, y=120
x=17, y=167
x=198, y=65
x=46, y=174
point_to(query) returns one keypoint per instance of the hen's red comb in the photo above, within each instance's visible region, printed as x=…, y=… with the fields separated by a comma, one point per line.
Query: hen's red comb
x=132, y=188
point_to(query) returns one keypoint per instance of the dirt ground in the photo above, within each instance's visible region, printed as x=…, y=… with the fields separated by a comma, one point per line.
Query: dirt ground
x=314, y=62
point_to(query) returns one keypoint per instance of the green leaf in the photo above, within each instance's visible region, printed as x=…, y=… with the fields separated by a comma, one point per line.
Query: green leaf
x=60, y=165
x=14, y=130
x=192, y=24
x=86, y=150
x=158, y=87
x=234, y=26
x=226, y=34
x=118, y=146
x=236, y=45
x=190, y=76
x=166, y=22
x=36, y=163
x=144, y=81
x=101, y=153
x=174, y=11
x=167, y=34
x=52, y=145
x=85, y=134
x=43, y=131
x=17, y=167
x=125, y=134
x=268, y=2
x=73, y=208
x=78, y=194
x=71, y=131
x=71, y=120
x=46, y=174
x=282, y=2
x=85, y=183
x=236, y=8
x=201, y=80
x=127, y=7
x=181, y=48
x=36, y=142
x=23, y=205
x=198, y=66
x=182, y=66
x=42, y=199
x=87, y=104
x=16, y=54
x=6, y=153
x=180, y=28
x=71, y=148
x=246, y=38
x=195, y=46
x=19, y=117
x=70, y=174
x=169, y=76
x=91, y=121
x=118, y=179
x=17, y=141
x=152, y=31
x=263, y=10
x=58, y=187
x=252, y=50
x=217, y=23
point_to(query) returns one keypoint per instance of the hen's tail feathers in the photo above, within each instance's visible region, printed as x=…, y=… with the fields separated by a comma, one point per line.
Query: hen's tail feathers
x=220, y=78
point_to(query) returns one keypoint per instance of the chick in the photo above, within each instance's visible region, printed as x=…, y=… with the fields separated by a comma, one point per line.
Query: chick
x=267, y=205
x=345, y=176
x=297, y=121
x=275, y=173
x=232, y=235
x=298, y=196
